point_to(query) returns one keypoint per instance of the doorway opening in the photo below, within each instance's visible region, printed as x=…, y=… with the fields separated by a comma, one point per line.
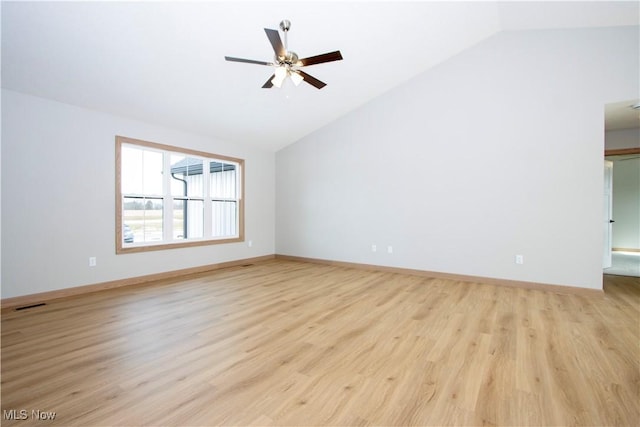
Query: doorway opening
x=625, y=213
x=622, y=189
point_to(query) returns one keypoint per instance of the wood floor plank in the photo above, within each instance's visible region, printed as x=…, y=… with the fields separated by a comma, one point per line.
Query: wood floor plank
x=291, y=343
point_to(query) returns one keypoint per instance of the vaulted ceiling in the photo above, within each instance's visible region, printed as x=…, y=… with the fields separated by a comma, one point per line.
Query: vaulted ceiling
x=164, y=62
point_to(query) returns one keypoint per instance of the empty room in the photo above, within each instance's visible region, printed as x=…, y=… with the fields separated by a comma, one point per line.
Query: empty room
x=320, y=213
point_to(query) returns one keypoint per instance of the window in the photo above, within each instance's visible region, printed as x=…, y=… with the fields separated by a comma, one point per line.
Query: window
x=169, y=197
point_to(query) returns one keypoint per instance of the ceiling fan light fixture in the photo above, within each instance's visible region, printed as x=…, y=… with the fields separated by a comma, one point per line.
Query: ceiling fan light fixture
x=296, y=78
x=277, y=82
x=280, y=74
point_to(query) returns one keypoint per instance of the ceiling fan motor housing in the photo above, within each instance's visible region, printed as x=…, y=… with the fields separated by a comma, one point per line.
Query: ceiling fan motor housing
x=290, y=58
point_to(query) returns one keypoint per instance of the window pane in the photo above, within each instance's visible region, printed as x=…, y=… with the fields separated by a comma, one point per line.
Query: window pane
x=188, y=219
x=143, y=219
x=186, y=174
x=152, y=173
x=131, y=170
x=222, y=180
x=224, y=219
x=141, y=171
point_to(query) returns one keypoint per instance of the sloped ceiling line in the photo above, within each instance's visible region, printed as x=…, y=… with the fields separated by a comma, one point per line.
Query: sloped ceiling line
x=164, y=62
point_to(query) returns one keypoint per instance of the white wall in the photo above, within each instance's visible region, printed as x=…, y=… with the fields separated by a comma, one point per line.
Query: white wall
x=0, y=194
x=58, y=198
x=496, y=152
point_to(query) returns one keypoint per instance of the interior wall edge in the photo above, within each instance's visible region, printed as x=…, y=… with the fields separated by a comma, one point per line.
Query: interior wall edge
x=562, y=289
x=29, y=299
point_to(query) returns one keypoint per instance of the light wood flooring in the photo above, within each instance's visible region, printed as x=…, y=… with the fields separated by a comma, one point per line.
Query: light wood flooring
x=292, y=343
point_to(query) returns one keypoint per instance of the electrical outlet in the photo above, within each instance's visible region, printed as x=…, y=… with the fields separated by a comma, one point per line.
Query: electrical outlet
x=519, y=259
x=374, y=248
x=250, y=243
x=92, y=261
x=389, y=249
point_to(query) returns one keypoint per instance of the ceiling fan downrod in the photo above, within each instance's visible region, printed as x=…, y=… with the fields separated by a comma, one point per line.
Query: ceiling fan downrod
x=285, y=25
x=290, y=58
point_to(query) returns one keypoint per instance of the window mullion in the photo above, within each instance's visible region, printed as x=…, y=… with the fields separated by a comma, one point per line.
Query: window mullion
x=238, y=195
x=167, y=199
x=206, y=181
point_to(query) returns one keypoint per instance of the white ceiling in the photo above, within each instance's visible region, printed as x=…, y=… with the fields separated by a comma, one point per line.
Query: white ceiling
x=164, y=62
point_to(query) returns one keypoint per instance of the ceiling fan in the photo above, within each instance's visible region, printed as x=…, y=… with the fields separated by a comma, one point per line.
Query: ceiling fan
x=287, y=63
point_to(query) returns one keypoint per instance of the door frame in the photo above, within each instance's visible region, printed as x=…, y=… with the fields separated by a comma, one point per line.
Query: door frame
x=621, y=151
x=608, y=214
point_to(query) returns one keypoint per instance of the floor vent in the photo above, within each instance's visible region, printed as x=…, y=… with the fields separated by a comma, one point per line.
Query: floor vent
x=30, y=306
x=246, y=265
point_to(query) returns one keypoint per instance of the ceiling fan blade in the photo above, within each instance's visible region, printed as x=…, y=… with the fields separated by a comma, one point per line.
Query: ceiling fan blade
x=268, y=84
x=312, y=80
x=248, y=61
x=319, y=59
x=276, y=41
